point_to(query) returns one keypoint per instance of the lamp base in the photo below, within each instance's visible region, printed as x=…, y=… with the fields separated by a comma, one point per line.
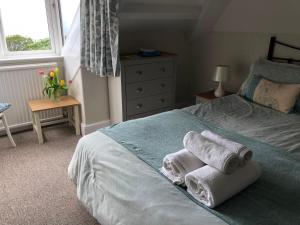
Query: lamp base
x=219, y=92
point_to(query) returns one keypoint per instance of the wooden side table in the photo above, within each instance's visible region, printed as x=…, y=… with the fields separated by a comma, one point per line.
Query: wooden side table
x=68, y=102
x=208, y=96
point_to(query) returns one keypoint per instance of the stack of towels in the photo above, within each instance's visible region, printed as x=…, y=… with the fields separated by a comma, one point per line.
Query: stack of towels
x=212, y=167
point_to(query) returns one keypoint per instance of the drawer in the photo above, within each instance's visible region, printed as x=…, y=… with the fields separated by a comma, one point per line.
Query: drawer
x=143, y=105
x=148, y=88
x=148, y=71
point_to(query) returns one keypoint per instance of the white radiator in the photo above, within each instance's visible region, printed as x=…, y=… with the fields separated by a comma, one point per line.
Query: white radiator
x=18, y=85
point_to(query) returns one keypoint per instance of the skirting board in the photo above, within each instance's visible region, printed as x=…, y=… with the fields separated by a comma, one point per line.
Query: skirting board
x=28, y=125
x=89, y=128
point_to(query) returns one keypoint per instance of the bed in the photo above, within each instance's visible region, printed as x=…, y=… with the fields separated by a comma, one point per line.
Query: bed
x=116, y=171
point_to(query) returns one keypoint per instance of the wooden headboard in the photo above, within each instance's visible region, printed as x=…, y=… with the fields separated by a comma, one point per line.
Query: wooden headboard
x=273, y=43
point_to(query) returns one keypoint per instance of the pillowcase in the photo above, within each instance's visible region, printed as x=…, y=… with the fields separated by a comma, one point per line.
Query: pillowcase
x=273, y=71
x=281, y=97
x=4, y=106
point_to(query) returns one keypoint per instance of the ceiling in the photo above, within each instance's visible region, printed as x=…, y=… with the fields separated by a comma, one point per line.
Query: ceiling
x=197, y=16
x=260, y=16
x=170, y=15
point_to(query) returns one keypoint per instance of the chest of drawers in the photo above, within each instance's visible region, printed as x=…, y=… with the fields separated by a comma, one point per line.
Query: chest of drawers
x=146, y=86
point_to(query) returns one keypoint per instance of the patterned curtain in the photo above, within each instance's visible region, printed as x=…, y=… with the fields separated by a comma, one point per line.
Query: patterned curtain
x=100, y=36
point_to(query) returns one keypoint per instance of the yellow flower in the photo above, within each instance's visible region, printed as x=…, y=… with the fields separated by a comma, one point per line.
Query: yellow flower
x=52, y=74
x=56, y=70
x=62, y=83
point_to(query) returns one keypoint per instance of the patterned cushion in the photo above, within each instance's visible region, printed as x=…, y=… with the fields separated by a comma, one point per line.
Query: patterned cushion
x=281, y=97
x=4, y=106
x=274, y=71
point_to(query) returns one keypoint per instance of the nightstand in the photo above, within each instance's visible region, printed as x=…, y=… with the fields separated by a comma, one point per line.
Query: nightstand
x=208, y=96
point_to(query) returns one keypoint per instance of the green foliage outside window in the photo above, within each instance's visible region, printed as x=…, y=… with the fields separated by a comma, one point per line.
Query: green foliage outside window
x=20, y=43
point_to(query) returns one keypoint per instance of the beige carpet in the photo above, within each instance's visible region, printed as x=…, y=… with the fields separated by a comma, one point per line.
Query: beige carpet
x=34, y=187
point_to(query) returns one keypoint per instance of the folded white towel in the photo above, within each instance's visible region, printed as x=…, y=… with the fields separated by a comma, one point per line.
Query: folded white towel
x=176, y=165
x=210, y=187
x=244, y=153
x=211, y=153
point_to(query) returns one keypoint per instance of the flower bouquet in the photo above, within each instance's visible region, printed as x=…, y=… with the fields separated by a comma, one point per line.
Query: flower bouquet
x=54, y=87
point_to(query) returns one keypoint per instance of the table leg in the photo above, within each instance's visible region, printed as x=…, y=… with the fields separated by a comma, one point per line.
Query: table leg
x=33, y=122
x=7, y=130
x=70, y=114
x=37, y=126
x=77, y=120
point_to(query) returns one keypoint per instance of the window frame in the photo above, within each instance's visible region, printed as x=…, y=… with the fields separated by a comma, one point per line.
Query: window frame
x=55, y=35
x=63, y=35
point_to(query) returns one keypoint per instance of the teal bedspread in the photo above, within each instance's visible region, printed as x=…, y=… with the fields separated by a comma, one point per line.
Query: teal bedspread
x=273, y=199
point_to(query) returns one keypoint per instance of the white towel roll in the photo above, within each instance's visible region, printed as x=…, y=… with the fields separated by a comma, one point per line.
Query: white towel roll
x=245, y=154
x=176, y=165
x=211, y=153
x=210, y=187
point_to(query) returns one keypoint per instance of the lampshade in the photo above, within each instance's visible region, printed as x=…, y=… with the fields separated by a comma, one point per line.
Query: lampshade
x=221, y=73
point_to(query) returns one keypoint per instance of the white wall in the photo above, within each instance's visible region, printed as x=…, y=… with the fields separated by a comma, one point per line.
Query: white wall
x=241, y=35
x=91, y=91
x=264, y=16
x=76, y=90
x=71, y=49
x=95, y=97
x=238, y=50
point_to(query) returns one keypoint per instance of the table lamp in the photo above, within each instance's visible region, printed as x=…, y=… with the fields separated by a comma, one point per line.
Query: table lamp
x=221, y=75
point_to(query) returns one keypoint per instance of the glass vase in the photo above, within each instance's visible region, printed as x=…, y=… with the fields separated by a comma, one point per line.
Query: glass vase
x=55, y=96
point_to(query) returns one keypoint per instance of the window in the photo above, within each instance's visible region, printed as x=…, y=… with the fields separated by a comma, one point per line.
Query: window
x=29, y=27
x=68, y=9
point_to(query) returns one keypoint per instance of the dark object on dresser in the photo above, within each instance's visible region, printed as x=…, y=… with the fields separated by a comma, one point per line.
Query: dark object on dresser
x=149, y=53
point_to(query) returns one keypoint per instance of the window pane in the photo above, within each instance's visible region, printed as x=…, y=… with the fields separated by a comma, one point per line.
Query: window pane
x=68, y=10
x=25, y=25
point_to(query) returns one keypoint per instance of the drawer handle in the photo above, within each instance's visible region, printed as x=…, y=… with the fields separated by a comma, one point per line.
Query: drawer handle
x=162, y=100
x=139, y=72
x=163, y=69
x=139, y=90
x=138, y=106
x=162, y=85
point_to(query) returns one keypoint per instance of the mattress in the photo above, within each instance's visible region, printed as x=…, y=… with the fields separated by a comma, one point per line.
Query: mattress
x=115, y=169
